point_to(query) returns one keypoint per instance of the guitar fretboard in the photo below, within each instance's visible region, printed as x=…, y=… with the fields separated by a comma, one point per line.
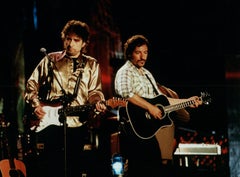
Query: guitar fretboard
x=176, y=107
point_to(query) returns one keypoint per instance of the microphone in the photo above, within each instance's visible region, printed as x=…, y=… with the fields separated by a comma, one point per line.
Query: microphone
x=43, y=50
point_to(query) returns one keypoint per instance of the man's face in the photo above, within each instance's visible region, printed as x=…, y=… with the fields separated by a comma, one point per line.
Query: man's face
x=73, y=45
x=139, y=56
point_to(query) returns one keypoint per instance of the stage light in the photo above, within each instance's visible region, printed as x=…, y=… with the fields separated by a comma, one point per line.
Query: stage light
x=117, y=165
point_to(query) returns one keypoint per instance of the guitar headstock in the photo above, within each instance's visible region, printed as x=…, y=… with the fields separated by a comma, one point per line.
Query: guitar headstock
x=205, y=97
x=115, y=102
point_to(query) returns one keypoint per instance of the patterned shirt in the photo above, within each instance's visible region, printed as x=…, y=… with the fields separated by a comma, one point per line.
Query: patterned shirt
x=130, y=80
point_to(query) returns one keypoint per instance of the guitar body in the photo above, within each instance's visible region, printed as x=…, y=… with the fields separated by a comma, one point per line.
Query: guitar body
x=51, y=118
x=19, y=169
x=9, y=166
x=143, y=125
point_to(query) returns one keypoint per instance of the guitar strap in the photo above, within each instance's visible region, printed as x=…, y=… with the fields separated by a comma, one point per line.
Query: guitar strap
x=154, y=88
x=77, y=62
x=82, y=65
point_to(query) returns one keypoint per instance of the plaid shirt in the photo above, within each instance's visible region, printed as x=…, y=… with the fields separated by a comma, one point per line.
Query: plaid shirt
x=130, y=80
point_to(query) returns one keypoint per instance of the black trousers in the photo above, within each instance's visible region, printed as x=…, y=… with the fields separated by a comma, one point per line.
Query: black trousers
x=143, y=155
x=57, y=159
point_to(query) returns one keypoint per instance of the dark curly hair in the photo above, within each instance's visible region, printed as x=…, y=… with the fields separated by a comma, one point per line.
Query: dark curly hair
x=78, y=27
x=132, y=43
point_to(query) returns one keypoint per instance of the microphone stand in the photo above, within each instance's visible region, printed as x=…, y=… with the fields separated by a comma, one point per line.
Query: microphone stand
x=63, y=119
x=66, y=100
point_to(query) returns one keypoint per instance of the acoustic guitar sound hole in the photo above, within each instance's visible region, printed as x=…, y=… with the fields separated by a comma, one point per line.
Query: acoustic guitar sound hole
x=16, y=173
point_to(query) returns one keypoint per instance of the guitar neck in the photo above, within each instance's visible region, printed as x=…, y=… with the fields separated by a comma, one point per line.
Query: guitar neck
x=11, y=163
x=110, y=103
x=81, y=108
x=77, y=109
x=178, y=106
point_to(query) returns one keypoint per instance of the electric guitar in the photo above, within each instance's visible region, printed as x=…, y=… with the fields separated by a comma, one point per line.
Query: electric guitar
x=145, y=126
x=53, y=113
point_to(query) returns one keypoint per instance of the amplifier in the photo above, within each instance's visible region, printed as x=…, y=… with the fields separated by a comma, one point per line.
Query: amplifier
x=198, y=149
x=198, y=155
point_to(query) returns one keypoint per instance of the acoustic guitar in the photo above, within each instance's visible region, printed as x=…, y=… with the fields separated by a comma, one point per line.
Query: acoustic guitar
x=10, y=167
x=144, y=125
